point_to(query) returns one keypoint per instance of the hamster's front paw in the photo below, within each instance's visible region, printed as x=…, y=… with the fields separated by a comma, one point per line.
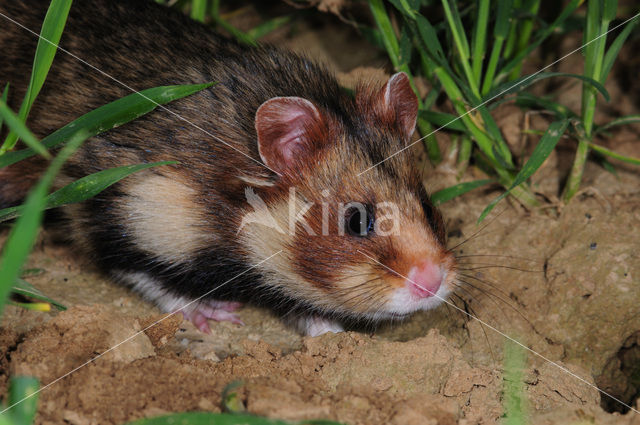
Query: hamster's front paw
x=317, y=325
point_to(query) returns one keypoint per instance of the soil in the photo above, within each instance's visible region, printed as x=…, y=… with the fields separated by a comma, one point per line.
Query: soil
x=563, y=280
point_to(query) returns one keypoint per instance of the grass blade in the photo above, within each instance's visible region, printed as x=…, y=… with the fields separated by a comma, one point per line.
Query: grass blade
x=52, y=27
x=109, y=116
x=510, y=42
x=19, y=129
x=457, y=30
x=21, y=387
x=572, y=184
x=50, y=34
x=441, y=119
x=525, y=27
x=479, y=39
x=610, y=9
x=84, y=188
x=430, y=41
x=541, y=36
x=404, y=7
x=24, y=288
x=612, y=154
x=236, y=33
x=461, y=42
x=543, y=149
x=23, y=233
x=614, y=49
x=269, y=26
x=388, y=35
x=500, y=32
x=198, y=10
x=524, y=82
x=499, y=146
x=629, y=119
x=231, y=402
x=530, y=101
x=89, y=186
x=515, y=401
x=451, y=192
x=482, y=139
x=33, y=306
x=464, y=155
x=595, y=36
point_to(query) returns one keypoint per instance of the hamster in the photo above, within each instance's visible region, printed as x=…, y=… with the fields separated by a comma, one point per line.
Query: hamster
x=266, y=204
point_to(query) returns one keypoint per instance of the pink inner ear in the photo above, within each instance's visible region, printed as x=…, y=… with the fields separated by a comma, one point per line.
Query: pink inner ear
x=401, y=102
x=282, y=124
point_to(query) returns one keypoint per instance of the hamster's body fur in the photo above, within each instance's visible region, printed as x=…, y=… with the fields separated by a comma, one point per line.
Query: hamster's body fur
x=175, y=233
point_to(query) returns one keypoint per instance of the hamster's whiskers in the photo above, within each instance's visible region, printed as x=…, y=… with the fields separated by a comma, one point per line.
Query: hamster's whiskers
x=481, y=266
x=493, y=297
x=510, y=257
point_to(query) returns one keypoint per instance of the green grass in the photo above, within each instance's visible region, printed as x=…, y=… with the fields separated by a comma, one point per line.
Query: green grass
x=208, y=12
x=597, y=64
x=514, y=398
x=475, y=55
x=50, y=34
x=21, y=388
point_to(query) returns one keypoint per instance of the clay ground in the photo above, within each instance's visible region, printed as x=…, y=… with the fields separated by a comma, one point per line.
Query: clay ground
x=564, y=280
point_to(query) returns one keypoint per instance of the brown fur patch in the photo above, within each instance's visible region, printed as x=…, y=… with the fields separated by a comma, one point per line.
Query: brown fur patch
x=394, y=106
x=16, y=180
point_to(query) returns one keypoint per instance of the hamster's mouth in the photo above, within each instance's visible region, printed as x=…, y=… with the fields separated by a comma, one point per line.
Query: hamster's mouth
x=388, y=315
x=403, y=302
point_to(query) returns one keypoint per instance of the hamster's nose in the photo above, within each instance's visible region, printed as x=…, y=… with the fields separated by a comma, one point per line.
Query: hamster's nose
x=425, y=279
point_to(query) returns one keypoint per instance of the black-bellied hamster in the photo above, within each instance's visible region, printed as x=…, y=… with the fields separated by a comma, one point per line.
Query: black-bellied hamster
x=266, y=204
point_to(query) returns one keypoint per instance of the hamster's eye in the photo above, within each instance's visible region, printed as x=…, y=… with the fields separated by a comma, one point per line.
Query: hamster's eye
x=359, y=220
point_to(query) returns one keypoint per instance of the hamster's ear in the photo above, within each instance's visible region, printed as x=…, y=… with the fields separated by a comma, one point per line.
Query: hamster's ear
x=283, y=125
x=398, y=102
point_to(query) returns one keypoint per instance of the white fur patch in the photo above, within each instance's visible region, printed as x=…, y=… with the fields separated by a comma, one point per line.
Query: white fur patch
x=316, y=325
x=262, y=241
x=163, y=218
x=403, y=302
x=256, y=181
x=152, y=291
